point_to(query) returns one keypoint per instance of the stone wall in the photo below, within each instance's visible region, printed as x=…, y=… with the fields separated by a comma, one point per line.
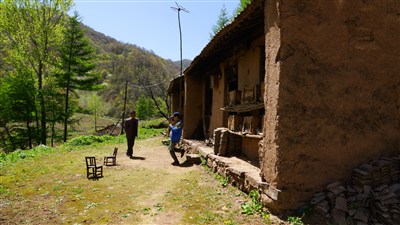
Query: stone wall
x=332, y=92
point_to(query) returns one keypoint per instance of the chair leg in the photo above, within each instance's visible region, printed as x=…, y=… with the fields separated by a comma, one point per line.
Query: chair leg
x=99, y=172
x=110, y=161
x=90, y=173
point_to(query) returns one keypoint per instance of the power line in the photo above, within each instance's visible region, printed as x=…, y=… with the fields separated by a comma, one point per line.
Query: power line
x=151, y=85
x=156, y=84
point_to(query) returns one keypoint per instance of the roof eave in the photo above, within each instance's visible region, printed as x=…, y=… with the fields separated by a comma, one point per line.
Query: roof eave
x=217, y=45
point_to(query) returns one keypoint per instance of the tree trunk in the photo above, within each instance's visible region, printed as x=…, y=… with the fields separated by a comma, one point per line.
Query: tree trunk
x=156, y=103
x=43, y=130
x=4, y=142
x=10, y=137
x=28, y=127
x=66, y=112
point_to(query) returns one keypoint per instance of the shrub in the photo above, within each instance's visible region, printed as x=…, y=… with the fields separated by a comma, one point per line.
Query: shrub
x=88, y=140
x=22, y=154
x=255, y=206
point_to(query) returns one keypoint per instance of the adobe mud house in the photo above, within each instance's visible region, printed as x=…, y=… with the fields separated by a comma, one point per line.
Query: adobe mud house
x=176, y=91
x=314, y=85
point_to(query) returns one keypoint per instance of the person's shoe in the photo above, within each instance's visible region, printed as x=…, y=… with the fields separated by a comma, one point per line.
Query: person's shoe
x=182, y=152
x=175, y=163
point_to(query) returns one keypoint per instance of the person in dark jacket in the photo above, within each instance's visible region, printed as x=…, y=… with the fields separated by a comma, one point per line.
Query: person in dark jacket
x=176, y=133
x=131, y=131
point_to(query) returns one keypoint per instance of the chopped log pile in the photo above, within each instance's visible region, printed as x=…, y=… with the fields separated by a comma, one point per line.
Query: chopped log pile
x=372, y=198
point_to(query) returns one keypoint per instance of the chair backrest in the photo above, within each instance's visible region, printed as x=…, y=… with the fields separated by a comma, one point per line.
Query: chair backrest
x=90, y=161
x=115, y=152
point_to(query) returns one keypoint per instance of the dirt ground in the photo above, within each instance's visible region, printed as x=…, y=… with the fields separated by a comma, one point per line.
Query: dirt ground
x=157, y=157
x=149, y=154
x=146, y=190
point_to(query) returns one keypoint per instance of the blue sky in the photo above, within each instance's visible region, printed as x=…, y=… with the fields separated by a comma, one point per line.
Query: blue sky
x=153, y=25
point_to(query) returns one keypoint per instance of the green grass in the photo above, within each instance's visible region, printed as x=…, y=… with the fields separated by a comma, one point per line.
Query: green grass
x=86, y=124
x=49, y=185
x=149, y=128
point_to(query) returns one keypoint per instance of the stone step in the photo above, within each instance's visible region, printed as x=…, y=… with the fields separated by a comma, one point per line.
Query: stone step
x=240, y=173
x=193, y=158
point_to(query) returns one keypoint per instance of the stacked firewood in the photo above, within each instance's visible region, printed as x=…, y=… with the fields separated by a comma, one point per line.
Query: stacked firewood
x=372, y=198
x=226, y=143
x=217, y=139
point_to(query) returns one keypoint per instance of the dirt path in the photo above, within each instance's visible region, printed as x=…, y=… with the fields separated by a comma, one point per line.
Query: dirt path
x=149, y=154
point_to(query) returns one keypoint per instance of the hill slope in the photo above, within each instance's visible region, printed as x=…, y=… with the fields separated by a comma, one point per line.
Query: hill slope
x=146, y=73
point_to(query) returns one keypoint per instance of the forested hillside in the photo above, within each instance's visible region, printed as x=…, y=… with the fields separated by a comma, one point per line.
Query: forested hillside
x=145, y=73
x=52, y=66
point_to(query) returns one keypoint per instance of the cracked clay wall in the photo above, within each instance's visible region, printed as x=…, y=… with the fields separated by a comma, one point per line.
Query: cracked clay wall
x=332, y=92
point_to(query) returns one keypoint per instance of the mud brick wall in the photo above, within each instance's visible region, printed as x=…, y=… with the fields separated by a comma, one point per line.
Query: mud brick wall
x=193, y=107
x=332, y=92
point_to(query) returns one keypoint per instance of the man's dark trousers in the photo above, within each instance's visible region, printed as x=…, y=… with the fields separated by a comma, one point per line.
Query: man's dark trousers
x=131, y=143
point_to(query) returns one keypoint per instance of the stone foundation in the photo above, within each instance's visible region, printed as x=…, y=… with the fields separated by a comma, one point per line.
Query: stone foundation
x=239, y=172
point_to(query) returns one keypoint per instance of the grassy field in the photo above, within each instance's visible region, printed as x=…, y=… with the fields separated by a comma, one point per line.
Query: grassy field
x=49, y=186
x=86, y=125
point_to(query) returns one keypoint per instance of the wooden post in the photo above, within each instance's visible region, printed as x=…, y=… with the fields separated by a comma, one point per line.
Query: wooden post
x=123, y=113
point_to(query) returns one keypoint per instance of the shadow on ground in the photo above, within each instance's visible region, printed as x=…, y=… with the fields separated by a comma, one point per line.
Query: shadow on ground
x=137, y=157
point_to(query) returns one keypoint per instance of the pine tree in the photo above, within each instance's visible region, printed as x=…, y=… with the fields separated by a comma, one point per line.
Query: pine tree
x=243, y=4
x=223, y=20
x=77, y=63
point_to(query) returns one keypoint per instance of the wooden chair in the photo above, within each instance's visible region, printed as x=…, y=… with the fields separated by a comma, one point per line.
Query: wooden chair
x=111, y=160
x=93, y=171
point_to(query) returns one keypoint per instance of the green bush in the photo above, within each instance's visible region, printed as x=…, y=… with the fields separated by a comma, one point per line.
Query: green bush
x=255, y=206
x=145, y=107
x=22, y=154
x=88, y=140
x=294, y=220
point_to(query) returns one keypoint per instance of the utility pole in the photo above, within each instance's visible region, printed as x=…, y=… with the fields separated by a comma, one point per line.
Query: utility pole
x=123, y=113
x=179, y=8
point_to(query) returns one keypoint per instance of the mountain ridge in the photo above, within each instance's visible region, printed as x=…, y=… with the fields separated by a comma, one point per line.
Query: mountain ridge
x=106, y=39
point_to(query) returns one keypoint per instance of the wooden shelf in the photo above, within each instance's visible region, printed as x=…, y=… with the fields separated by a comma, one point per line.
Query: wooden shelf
x=243, y=107
x=259, y=136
